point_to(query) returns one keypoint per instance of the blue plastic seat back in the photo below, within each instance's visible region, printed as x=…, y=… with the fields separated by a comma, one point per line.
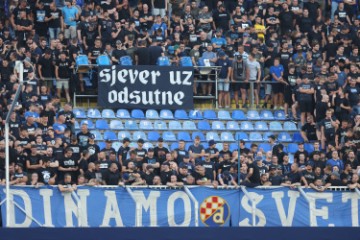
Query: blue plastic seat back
x=227, y=137
x=224, y=115
x=131, y=125
x=184, y=136
x=163, y=61
x=153, y=136
x=110, y=135
x=166, y=114
x=195, y=115
x=160, y=125
x=175, y=125
x=279, y=115
x=265, y=146
x=297, y=137
x=255, y=137
x=217, y=125
x=169, y=136
x=238, y=115
x=125, y=61
x=116, y=145
x=148, y=145
x=266, y=115
x=204, y=125
x=174, y=146
x=98, y=135
x=89, y=123
x=103, y=60
x=139, y=134
x=290, y=126
x=123, y=134
x=241, y=136
x=151, y=114
x=200, y=134
x=79, y=113
x=284, y=137
x=116, y=125
x=108, y=113
x=210, y=115
x=101, y=145
x=122, y=113
x=186, y=62
x=137, y=114
x=246, y=126
x=266, y=135
x=146, y=125
x=212, y=136
x=275, y=126
x=93, y=113
x=77, y=125
x=181, y=114
x=253, y=115
x=309, y=147
x=189, y=125
x=292, y=148
x=82, y=60
x=232, y=125
x=261, y=126
x=101, y=124
x=233, y=147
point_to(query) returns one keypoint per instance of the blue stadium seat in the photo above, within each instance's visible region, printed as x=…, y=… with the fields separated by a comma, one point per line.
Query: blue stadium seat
x=297, y=137
x=189, y=125
x=133, y=145
x=200, y=134
x=181, y=114
x=255, y=137
x=206, y=145
x=166, y=114
x=186, y=61
x=290, y=126
x=116, y=145
x=175, y=125
x=224, y=115
x=139, y=134
x=217, y=125
x=116, y=125
x=188, y=144
x=148, y=145
x=122, y=113
x=76, y=125
x=210, y=115
x=153, y=136
x=131, y=125
x=107, y=113
x=184, y=136
x=253, y=115
x=291, y=158
x=241, y=136
x=292, y=148
x=174, y=146
x=110, y=135
x=123, y=134
x=169, y=136
x=98, y=135
x=232, y=125
x=265, y=146
x=266, y=135
x=238, y=115
x=151, y=114
x=246, y=126
x=279, y=115
x=145, y=125
x=227, y=137
x=101, y=145
x=103, y=60
x=79, y=113
x=160, y=125
x=284, y=137
x=101, y=124
x=212, y=136
x=163, y=61
x=261, y=126
x=137, y=114
x=275, y=126
x=93, y=113
x=309, y=147
x=89, y=123
x=248, y=145
x=266, y=115
x=125, y=61
x=195, y=115
x=233, y=147
x=204, y=125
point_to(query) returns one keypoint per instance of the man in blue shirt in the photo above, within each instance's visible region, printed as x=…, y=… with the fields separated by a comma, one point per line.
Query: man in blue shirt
x=224, y=76
x=217, y=41
x=277, y=73
x=71, y=14
x=335, y=161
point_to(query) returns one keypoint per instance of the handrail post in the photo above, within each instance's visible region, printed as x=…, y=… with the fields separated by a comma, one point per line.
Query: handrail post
x=253, y=205
x=308, y=201
x=196, y=205
x=216, y=89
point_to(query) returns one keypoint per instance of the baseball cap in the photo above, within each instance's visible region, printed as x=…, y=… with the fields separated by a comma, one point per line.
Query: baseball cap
x=211, y=142
x=118, y=42
x=126, y=140
x=160, y=139
x=150, y=150
x=140, y=140
x=272, y=136
x=92, y=136
x=309, y=163
x=222, y=54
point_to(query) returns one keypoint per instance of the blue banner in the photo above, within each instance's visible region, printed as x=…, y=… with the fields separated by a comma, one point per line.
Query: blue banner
x=200, y=206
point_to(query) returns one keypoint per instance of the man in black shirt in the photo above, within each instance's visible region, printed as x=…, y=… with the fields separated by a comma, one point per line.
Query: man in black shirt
x=68, y=165
x=181, y=152
x=212, y=151
x=160, y=151
x=23, y=28
x=83, y=136
x=123, y=151
x=308, y=130
x=328, y=127
x=112, y=176
x=62, y=74
x=142, y=56
x=34, y=160
x=118, y=52
x=306, y=90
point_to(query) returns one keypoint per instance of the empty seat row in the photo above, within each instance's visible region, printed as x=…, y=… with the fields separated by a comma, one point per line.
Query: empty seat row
x=170, y=136
x=181, y=114
x=102, y=124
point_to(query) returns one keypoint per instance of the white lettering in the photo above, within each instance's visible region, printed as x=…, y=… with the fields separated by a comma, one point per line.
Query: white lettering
x=111, y=210
x=354, y=199
x=246, y=204
x=322, y=212
x=46, y=194
x=278, y=196
x=186, y=81
x=147, y=204
x=134, y=95
x=154, y=75
x=171, y=211
x=178, y=97
x=71, y=208
x=143, y=77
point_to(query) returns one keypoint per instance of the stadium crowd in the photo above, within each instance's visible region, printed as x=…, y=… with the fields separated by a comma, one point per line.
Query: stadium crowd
x=305, y=55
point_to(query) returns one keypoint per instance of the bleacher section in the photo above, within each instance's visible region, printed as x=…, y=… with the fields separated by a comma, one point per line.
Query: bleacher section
x=222, y=126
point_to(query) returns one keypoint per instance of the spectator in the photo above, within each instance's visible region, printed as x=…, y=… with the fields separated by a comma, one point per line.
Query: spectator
x=67, y=185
